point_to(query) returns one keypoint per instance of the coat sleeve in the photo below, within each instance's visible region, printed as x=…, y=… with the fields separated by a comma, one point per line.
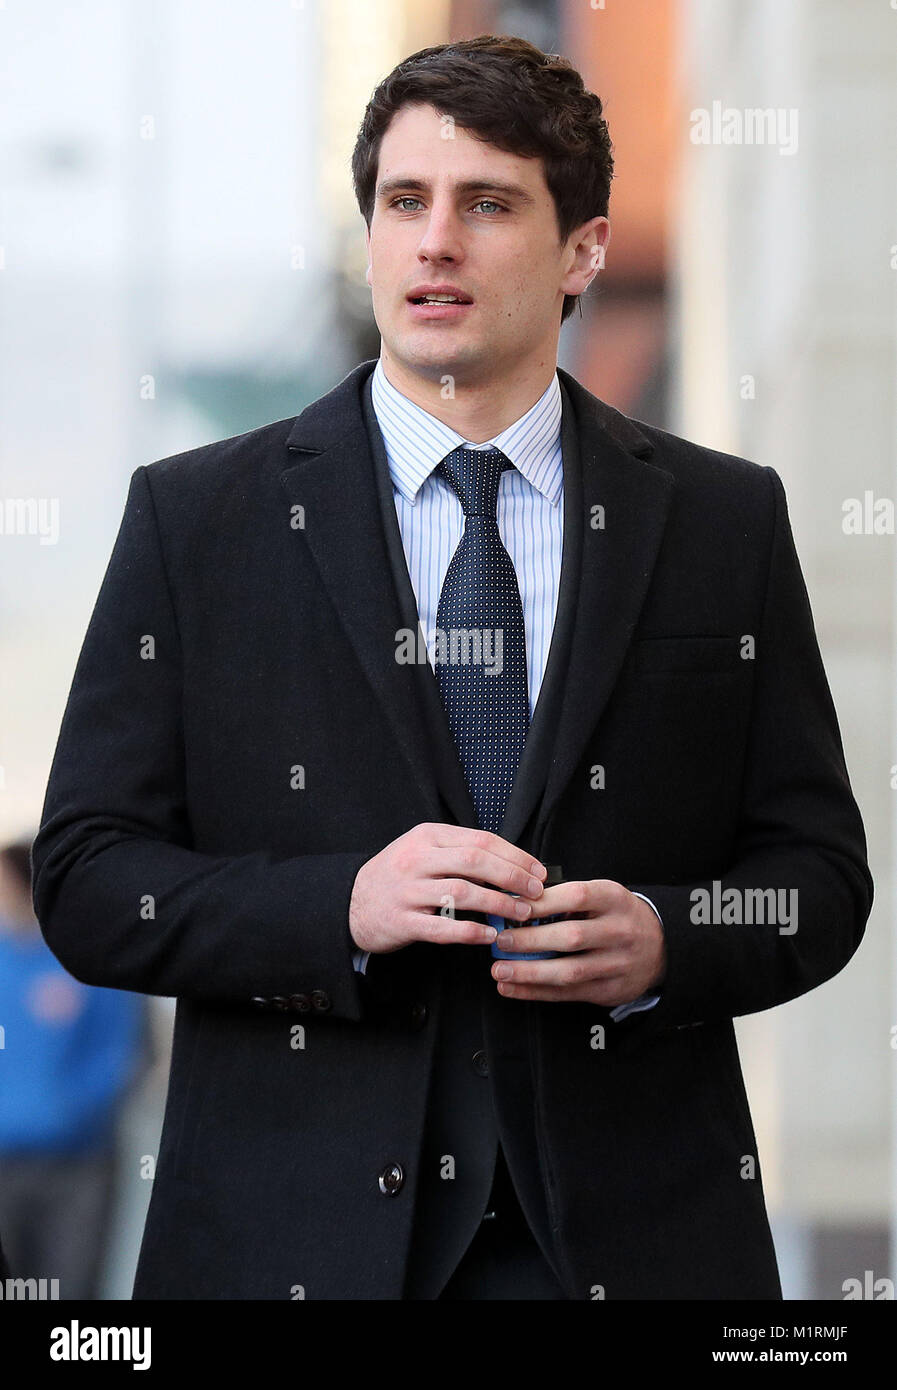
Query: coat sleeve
x=122, y=898
x=800, y=833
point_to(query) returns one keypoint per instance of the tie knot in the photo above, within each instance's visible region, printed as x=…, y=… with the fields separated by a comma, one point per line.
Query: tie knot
x=474, y=474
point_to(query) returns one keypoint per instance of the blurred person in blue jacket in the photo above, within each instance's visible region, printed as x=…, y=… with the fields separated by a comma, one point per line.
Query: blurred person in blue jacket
x=69, y=1054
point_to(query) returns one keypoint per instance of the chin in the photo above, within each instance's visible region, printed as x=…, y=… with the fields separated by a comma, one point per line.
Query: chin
x=434, y=358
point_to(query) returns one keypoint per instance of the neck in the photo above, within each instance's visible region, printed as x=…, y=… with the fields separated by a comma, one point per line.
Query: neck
x=477, y=411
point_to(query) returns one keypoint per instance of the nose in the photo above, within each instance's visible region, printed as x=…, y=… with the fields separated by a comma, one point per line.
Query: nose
x=441, y=237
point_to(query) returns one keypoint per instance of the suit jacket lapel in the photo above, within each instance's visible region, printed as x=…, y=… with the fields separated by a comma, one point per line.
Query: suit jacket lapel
x=443, y=753
x=334, y=482
x=613, y=562
x=342, y=482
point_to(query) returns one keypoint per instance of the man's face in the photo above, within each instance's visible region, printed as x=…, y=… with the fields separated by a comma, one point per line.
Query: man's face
x=458, y=213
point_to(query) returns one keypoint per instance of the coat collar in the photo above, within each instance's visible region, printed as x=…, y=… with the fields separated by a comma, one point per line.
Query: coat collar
x=326, y=419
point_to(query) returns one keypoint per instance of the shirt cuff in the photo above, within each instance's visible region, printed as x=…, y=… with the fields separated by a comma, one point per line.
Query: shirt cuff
x=644, y=1001
x=360, y=959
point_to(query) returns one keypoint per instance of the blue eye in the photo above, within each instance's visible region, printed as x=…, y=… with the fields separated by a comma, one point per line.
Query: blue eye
x=410, y=198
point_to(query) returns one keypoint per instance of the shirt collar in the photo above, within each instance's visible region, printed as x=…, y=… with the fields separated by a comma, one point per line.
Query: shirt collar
x=416, y=441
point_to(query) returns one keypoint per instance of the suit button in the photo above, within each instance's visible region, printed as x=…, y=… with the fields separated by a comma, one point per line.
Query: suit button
x=279, y=1001
x=260, y=1002
x=320, y=1001
x=480, y=1064
x=418, y=1014
x=300, y=1003
x=392, y=1179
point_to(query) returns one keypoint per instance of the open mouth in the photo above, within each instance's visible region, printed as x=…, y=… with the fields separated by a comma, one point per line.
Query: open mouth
x=440, y=299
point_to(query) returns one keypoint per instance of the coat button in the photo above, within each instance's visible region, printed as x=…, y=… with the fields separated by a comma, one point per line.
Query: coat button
x=392, y=1179
x=300, y=1003
x=320, y=1001
x=418, y=1014
x=259, y=1001
x=480, y=1064
x=279, y=1001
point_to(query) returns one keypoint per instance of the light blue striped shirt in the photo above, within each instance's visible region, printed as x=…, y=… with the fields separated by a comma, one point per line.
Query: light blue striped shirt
x=530, y=515
x=530, y=508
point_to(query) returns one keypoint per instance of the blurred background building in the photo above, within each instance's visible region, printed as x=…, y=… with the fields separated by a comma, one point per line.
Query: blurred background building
x=182, y=259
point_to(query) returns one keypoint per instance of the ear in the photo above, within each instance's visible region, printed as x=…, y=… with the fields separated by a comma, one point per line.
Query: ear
x=586, y=249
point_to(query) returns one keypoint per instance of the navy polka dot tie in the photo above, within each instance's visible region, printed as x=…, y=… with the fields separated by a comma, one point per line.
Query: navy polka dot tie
x=480, y=656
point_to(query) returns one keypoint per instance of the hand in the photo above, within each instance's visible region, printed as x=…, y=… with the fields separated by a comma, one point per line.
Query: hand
x=616, y=940
x=400, y=895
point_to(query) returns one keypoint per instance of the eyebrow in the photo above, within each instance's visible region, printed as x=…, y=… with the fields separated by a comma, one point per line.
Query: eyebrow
x=467, y=186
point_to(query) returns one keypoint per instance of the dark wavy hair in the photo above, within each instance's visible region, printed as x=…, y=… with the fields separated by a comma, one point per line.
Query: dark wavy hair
x=510, y=94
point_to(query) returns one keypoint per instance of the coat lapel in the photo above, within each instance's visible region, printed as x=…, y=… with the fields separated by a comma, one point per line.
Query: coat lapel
x=610, y=568
x=447, y=767
x=352, y=532
x=332, y=479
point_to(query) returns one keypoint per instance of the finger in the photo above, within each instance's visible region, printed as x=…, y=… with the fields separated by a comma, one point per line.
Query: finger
x=449, y=931
x=579, y=935
x=449, y=896
x=561, y=972
x=481, y=866
x=607, y=993
x=593, y=897
x=452, y=836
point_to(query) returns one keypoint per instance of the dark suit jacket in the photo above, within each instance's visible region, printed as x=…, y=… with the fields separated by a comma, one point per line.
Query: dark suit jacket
x=239, y=739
